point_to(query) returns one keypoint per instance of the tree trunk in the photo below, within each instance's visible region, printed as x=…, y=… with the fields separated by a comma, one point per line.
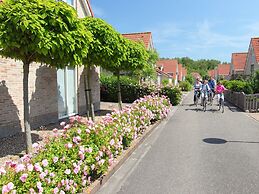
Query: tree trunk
x=119, y=91
x=26, y=112
x=89, y=100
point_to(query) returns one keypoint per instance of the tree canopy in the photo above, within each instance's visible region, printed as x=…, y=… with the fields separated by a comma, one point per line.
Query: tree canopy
x=42, y=31
x=201, y=66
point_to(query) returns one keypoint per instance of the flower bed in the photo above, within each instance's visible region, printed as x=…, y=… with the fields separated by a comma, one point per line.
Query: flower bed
x=82, y=152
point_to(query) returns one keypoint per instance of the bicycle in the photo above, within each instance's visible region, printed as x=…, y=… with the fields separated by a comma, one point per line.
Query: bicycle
x=204, y=101
x=221, y=102
x=210, y=98
x=196, y=97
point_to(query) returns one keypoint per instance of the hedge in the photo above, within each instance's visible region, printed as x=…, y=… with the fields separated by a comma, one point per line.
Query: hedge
x=132, y=90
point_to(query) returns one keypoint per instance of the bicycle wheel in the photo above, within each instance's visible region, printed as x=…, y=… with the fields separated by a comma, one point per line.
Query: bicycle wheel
x=222, y=105
x=204, y=103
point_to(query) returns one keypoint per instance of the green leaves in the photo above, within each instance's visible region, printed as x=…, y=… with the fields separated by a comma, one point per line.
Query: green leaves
x=42, y=30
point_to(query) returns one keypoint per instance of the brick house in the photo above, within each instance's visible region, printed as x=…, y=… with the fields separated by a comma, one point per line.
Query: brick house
x=184, y=73
x=238, y=62
x=252, y=60
x=170, y=67
x=53, y=94
x=223, y=71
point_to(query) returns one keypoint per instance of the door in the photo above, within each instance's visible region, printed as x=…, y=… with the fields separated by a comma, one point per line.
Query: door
x=67, y=98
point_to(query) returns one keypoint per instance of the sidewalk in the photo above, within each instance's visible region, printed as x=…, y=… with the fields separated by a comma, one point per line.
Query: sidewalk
x=254, y=116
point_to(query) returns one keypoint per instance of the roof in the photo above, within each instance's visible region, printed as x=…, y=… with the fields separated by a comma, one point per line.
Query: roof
x=223, y=69
x=169, y=65
x=180, y=70
x=159, y=71
x=255, y=44
x=239, y=60
x=145, y=37
x=90, y=7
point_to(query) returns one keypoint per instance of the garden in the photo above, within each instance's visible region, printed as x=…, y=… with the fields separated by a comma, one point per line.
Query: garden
x=83, y=151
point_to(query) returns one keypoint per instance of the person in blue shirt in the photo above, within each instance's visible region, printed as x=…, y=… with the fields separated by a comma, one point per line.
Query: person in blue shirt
x=212, y=84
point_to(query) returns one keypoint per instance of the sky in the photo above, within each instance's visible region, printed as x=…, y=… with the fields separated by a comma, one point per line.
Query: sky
x=199, y=29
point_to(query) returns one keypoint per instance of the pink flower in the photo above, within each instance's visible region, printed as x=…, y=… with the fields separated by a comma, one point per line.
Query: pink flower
x=67, y=171
x=30, y=167
x=37, y=167
x=112, y=142
x=45, y=163
x=19, y=168
x=26, y=158
x=72, y=119
x=67, y=127
x=35, y=145
x=52, y=174
x=23, y=177
x=81, y=155
x=62, y=124
x=62, y=192
x=55, y=159
x=69, y=145
x=89, y=150
x=7, y=188
x=42, y=175
x=101, y=162
x=2, y=170
x=56, y=190
x=92, y=166
x=79, y=131
x=55, y=130
x=76, y=170
x=87, y=131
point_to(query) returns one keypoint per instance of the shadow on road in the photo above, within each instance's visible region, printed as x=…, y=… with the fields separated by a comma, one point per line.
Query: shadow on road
x=223, y=141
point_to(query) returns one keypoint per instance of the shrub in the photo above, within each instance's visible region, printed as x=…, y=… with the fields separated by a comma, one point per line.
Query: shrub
x=174, y=94
x=131, y=90
x=185, y=86
x=238, y=86
x=82, y=152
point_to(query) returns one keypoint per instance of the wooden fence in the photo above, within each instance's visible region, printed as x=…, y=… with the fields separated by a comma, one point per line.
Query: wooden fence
x=246, y=102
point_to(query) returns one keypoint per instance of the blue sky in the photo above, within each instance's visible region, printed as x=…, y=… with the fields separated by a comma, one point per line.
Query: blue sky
x=209, y=29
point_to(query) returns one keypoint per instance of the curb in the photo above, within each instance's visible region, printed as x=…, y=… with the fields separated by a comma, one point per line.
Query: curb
x=127, y=153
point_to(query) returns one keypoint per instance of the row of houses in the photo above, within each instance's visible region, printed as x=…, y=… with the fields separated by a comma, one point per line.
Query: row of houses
x=166, y=69
x=242, y=64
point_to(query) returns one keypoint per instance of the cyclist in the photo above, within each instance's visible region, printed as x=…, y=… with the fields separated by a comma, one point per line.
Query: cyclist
x=197, y=89
x=212, y=84
x=205, y=89
x=220, y=91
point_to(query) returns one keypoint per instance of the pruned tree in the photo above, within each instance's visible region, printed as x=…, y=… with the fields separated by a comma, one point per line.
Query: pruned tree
x=133, y=56
x=103, y=51
x=149, y=70
x=41, y=31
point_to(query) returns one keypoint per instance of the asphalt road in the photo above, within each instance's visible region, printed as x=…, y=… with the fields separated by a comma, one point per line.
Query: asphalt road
x=194, y=152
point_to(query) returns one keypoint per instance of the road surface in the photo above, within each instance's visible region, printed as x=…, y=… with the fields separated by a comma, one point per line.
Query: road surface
x=194, y=152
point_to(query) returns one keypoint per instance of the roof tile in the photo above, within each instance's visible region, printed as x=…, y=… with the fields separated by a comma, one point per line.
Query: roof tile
x=144, y=37
x=239, y=61
x=223, y=69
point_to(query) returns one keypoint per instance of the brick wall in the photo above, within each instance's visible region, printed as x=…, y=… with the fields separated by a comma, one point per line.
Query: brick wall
x=42, y=95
